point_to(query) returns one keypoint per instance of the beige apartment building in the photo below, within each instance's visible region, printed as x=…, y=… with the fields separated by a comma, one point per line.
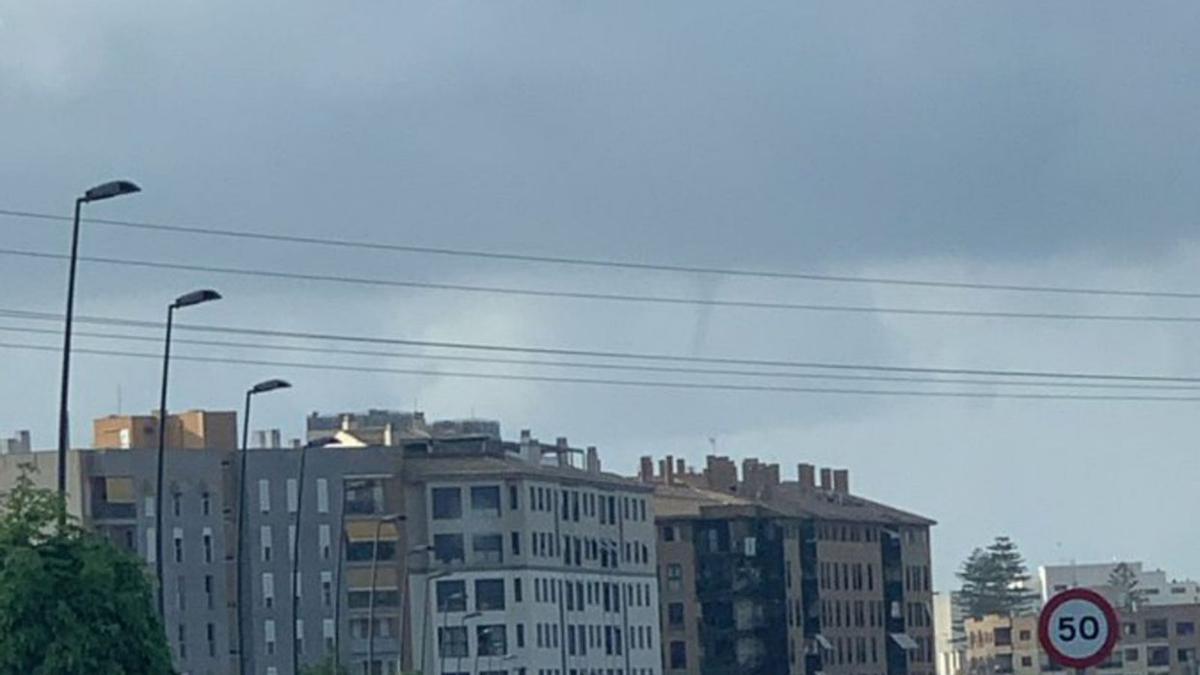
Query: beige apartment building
x=1154, y=640
x=764, y=576
x=191, y=430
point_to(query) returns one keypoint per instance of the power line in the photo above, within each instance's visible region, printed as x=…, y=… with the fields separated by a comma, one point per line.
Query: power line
x=603, y=366
x=627, y=355
x=622, y=383
x=604, y=263
x=618, y=297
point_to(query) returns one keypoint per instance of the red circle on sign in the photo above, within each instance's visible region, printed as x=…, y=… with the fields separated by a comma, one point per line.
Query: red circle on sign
x=1086, y=595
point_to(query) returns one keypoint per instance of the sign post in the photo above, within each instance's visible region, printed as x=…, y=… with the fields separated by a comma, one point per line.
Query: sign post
x=1078, y=629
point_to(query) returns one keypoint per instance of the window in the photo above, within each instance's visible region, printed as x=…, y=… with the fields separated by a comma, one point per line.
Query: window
x=1026, y=636
x=492, y=640
x=269, y=635
x=668, y=533
x=1026, y=661
x=448, y=548
x=177, y=538
x=205, y=503
x=674, y=577
x=210, y=632
x=1156, y=628
x=516, y=543
x=208, y=545
x=208, y=591
x=268, y=589
x=675, y=614
x=485, y=500
x=322, y=495
x=1185, y=628
x=512, y=497
x=447, y=503
x=678, y=659
x=264, y=495
x=1132, y=655
x=299, y=635
x=360, y=551
x=323, y=542
x=452, y=642
x=264, y=539
x=327, y=632
x=488, y=548
x=176, y=504
x=151, y=546
x=182, y=642
x=181, y=593
x=293, y=495
x=148, y=506
x=327, y=589
x=1158, y=656
x=489, y=594
x=520, y=636
x=452, y=596
x=517, y=589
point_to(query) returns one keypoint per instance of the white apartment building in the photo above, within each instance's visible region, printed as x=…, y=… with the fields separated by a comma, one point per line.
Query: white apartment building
x=1154, y=584
x=533, y=569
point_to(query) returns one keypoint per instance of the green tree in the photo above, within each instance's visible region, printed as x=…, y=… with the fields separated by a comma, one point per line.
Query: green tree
x=995, y=581
x=1124, y=581
x=70, y=601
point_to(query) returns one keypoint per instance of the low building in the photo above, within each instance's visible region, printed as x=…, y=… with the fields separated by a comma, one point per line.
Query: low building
x=1154, y=640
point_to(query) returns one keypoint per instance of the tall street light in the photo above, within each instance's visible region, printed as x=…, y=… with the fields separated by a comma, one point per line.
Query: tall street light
x=260, y=388
x=318, y=443
x=187, y=300
x=393, y=518
x=115, y=188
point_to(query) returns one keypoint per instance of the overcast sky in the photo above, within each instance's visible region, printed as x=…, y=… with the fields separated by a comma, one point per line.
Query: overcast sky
x=986, y=142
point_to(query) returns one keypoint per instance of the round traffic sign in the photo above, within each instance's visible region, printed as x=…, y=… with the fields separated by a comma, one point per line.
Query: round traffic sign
x=1078, y=628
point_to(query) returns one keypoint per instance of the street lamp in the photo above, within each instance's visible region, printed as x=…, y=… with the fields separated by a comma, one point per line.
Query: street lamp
x=186, y=300
x=318, y=443
x=429, y=579
x=260, y=388
x=107, y=190
x=393, y=518
x=467, y=636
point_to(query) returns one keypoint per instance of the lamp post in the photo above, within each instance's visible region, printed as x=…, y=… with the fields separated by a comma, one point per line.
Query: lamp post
x=394, y=518
x=105, y=191
x=428, y=608
x=260, y=388
x=319, y=443
x=450, y=600
x=467, y=636
x=186, y=300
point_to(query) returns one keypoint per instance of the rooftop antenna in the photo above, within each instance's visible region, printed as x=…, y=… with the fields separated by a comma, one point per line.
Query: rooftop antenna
x=119, y=411
x=712, y=443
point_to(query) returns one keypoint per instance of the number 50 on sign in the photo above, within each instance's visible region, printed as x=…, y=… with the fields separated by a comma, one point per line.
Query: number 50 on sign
x=1078, y=628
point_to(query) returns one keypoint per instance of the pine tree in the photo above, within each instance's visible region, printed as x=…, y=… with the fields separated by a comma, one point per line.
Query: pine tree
x=995, y=581
x=1124, y=580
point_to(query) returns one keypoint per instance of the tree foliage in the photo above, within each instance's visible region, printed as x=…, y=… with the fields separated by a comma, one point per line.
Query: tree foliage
x=995, y=581
x=1124, y=581
x=70, y=601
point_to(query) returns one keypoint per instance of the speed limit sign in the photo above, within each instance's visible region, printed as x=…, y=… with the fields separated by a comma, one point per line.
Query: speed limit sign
x=1078, y=628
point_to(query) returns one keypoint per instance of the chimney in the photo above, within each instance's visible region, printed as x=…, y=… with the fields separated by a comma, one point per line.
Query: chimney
x=662, y=470
x=296, y=444
x=276, y=439
x=669, y=478
x=593, y=460
x=720, y=473
x=260, y=438
x=680, y=467
x=826, y=479
x=531, y=450
x=563, y=451
x=806, y=474
x=841, y=481
x=388, y=434
x=646, y=470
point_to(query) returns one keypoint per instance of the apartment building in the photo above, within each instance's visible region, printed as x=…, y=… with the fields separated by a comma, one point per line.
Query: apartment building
x=536, y=564
x=1154, y=586
x=464, y=553
x=761, y=575
x=191, y=430
x=1154, y=640
x=949, y=636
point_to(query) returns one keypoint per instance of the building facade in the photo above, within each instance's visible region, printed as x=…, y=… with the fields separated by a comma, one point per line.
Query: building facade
x=763, y=576
x=457, y=555
x=1154, y=640
x=1154, y=587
